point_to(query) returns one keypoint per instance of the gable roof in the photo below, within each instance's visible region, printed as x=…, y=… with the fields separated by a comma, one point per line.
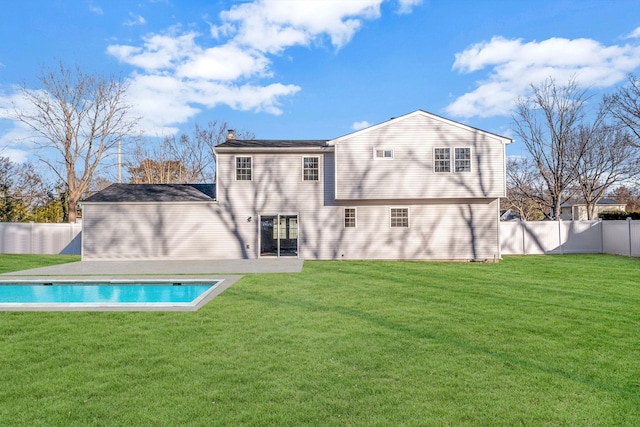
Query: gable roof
x=155, y=193
x=423, y=113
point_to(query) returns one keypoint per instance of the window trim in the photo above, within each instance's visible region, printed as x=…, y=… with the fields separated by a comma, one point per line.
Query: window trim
x=441, y=160
x=470, y=160
x=235, y=161
x=355, y=218
x=384, y=151
x=391, y=209
x=317, y=168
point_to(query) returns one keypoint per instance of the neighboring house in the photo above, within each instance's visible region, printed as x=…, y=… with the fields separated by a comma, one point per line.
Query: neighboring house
x=418, y=187
x=578, y=211
x=509, y=215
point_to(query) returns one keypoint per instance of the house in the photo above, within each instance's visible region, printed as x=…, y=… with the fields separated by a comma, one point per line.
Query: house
x=509, y=215
x=578, y=211
x=418, y=186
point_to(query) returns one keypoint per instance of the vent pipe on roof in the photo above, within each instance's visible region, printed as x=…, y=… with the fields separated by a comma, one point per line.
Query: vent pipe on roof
x=231, y=134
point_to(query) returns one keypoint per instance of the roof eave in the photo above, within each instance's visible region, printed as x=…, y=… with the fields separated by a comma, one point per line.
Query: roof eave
x=272, y=149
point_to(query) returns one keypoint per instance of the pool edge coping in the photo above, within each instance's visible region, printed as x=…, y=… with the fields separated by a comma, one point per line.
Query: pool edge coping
x=225, y=281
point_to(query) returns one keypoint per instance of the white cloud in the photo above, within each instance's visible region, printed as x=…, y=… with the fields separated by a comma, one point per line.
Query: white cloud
x=273, y=25
x=226, y=62
x=514, y=65
x=14, y=154
x=406, y=6
x=95, y=9
x=134, y=20
x=360, y=125
x=181, y=72
x=158, y=51
x=635, y=34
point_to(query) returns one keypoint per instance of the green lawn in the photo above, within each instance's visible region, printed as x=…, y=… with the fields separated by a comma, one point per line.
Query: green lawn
x=15, y=262
x=530, y=341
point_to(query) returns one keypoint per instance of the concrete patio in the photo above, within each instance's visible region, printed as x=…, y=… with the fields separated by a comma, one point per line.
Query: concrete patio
x=163, y=268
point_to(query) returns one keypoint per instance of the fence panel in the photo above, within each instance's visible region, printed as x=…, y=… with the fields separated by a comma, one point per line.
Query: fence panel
x=564, y=237
x=39, y=238
x=541, y=237
x=634, y=233
x=615, y=237
x=581, y=237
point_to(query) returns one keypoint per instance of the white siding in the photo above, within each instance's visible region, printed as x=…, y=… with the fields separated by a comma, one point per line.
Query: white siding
x=157, y=231
x=464, y=229
x=277, y=188
x=410, y=174
x=436, y=231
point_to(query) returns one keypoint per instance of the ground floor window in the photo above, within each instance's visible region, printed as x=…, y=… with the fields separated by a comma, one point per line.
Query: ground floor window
x=349, y=217
x=399, y=217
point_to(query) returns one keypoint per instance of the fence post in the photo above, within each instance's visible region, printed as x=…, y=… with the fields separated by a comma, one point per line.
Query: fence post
x=601, y=235
x=31, y=237
x=560, y=236
x=629, y=232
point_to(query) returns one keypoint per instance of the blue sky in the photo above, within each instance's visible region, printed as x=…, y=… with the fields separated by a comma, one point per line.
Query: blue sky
x=316, y=69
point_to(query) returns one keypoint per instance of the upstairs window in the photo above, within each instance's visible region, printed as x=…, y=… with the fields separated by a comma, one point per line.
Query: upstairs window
x=349, y=217
x=243, y=168
x=463, y=160
x=442, y=160
x=310, y=168
x=383, y=153
x=399, y=217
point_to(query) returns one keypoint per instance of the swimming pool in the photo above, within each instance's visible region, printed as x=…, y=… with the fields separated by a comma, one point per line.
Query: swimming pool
x=124, y=295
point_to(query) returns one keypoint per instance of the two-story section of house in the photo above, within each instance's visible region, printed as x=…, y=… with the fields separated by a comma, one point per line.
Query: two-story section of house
x=415, y=187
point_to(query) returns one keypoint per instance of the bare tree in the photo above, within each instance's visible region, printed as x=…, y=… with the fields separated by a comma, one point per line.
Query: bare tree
x=546, y=123
x=525, y=189
x=81, y=117
x=610, y=157
x=22, y=191
x=186, y=158
x=629, y=196
x=626, y=106
x=156, y=165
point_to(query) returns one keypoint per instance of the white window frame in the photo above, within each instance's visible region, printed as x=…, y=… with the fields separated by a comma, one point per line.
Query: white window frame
x=435, y=169
x=235, y=166
x=355, y=218
x=384, y=151
x=455, y=160
x=391, y=209
x=317, y=168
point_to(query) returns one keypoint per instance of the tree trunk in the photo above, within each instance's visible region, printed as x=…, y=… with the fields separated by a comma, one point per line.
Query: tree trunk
x=73, y=208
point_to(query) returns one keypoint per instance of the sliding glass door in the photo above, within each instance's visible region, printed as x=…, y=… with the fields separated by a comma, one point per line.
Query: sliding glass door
x=279, y=235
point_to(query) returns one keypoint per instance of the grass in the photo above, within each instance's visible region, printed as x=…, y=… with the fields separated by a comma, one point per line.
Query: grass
x=532, y=341
x=15, y=262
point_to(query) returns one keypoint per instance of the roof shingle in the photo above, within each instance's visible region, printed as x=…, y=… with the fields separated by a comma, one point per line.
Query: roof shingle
x=273, y=143
x=155, y=193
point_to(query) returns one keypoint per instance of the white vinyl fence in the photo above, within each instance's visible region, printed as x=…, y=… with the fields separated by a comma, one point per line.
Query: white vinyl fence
x=516, y=238
x=570, y=237
x=39, y=238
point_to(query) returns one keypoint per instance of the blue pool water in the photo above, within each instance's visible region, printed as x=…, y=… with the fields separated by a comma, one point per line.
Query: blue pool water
x=104, y=293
